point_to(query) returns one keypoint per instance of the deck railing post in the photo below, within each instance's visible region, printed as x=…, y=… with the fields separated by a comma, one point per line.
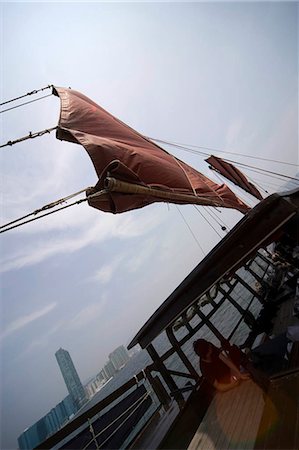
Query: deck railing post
x=181, y=354
x=159, y=389
x=165, y=374
x=249, y=288
x=209, y=324
x=93, y=434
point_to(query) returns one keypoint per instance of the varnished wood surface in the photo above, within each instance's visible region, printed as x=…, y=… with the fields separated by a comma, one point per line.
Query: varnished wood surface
x=232, y=420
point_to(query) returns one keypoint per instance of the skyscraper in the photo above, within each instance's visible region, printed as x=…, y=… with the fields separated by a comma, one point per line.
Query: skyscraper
x=119, y=357
x=47, y=425
x=70, y=376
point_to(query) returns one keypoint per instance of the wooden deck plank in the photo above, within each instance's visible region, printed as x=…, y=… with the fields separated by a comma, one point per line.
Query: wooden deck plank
x=256, y=418
x=246, y=405
x=232, y=420
x=240, y=419
x=248, y=423
x=234, y=400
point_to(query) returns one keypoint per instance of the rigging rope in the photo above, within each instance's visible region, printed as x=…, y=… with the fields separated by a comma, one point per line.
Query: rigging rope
x=43, y=208
x=262, y=170
x=4, y=229
x=248, y=200
x=217, y=219
x=269, y=185
x=182, y=147
x=25, y=103
x=133, y=407
x=195, y=238
x=29, y=136
x=216, y=231
x=258, y=185
x=187, y=147
x=43, y=215
x=273, y=175
x=35, y=91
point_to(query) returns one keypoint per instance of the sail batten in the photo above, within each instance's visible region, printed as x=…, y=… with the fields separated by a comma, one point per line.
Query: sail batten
x=120, y=152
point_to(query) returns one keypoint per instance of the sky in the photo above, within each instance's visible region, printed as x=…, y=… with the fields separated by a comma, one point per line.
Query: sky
x=218, y=75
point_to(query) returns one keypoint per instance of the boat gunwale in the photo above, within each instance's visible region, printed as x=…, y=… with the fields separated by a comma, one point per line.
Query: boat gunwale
x=255, y=229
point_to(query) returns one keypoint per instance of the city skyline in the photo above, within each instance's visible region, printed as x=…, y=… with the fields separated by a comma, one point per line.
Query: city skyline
x=79, y=394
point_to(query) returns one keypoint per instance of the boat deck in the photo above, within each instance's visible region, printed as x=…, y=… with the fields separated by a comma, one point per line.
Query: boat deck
x=246, y=418
x=232, y=420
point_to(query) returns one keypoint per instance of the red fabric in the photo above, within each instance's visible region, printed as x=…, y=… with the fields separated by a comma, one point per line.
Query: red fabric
x=116, y=148
x=233, y=174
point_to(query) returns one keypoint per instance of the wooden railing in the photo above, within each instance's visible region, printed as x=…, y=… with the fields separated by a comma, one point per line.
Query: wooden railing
x=161, y=380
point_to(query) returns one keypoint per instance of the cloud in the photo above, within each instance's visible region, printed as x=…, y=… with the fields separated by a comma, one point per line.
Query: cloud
x=98, y=229
x=87, y=315
x=105, y=273
x=34, y=179
x=26, y=320
x=133, y=263
x=41, y=342
x=44, y=249
x=145, y=251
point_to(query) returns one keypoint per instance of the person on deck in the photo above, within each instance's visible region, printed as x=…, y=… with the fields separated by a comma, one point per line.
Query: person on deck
x=219, y=370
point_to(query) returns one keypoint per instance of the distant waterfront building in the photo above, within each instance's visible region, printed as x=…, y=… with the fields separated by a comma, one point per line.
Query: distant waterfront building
x=32, y=436
x=47, y=425
x=103, y=375
x=119, y=357
x=109, y=370
x=71, y=377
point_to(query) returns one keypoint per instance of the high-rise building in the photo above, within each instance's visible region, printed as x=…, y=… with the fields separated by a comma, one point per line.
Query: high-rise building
x=119, y=357
x=47, y=425
x=71, y=377
x=109, y=370
x=32, y=436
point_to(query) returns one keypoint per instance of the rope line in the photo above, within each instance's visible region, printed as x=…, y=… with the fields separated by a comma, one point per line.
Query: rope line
x=29, y=136
x=262, y=170
x=186, y=175
x=217, y=219
x=131, y=413
x=97, y=194
x=207, y=220
x=137, y=402
x=25, y=103
x=202, y=179
x=187, y=146
x=182, y=147
x=248, y=200
x=257, y=184
x=194, y=237
x=43, y=215
x=43, y=208
x=273, y=175
x=35, y=91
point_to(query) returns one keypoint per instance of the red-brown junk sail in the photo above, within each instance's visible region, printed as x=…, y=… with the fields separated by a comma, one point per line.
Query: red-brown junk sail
x=233, y=174
x=119, y=152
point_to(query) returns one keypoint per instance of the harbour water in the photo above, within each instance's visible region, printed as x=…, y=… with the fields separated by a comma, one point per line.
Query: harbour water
x=225, y=320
